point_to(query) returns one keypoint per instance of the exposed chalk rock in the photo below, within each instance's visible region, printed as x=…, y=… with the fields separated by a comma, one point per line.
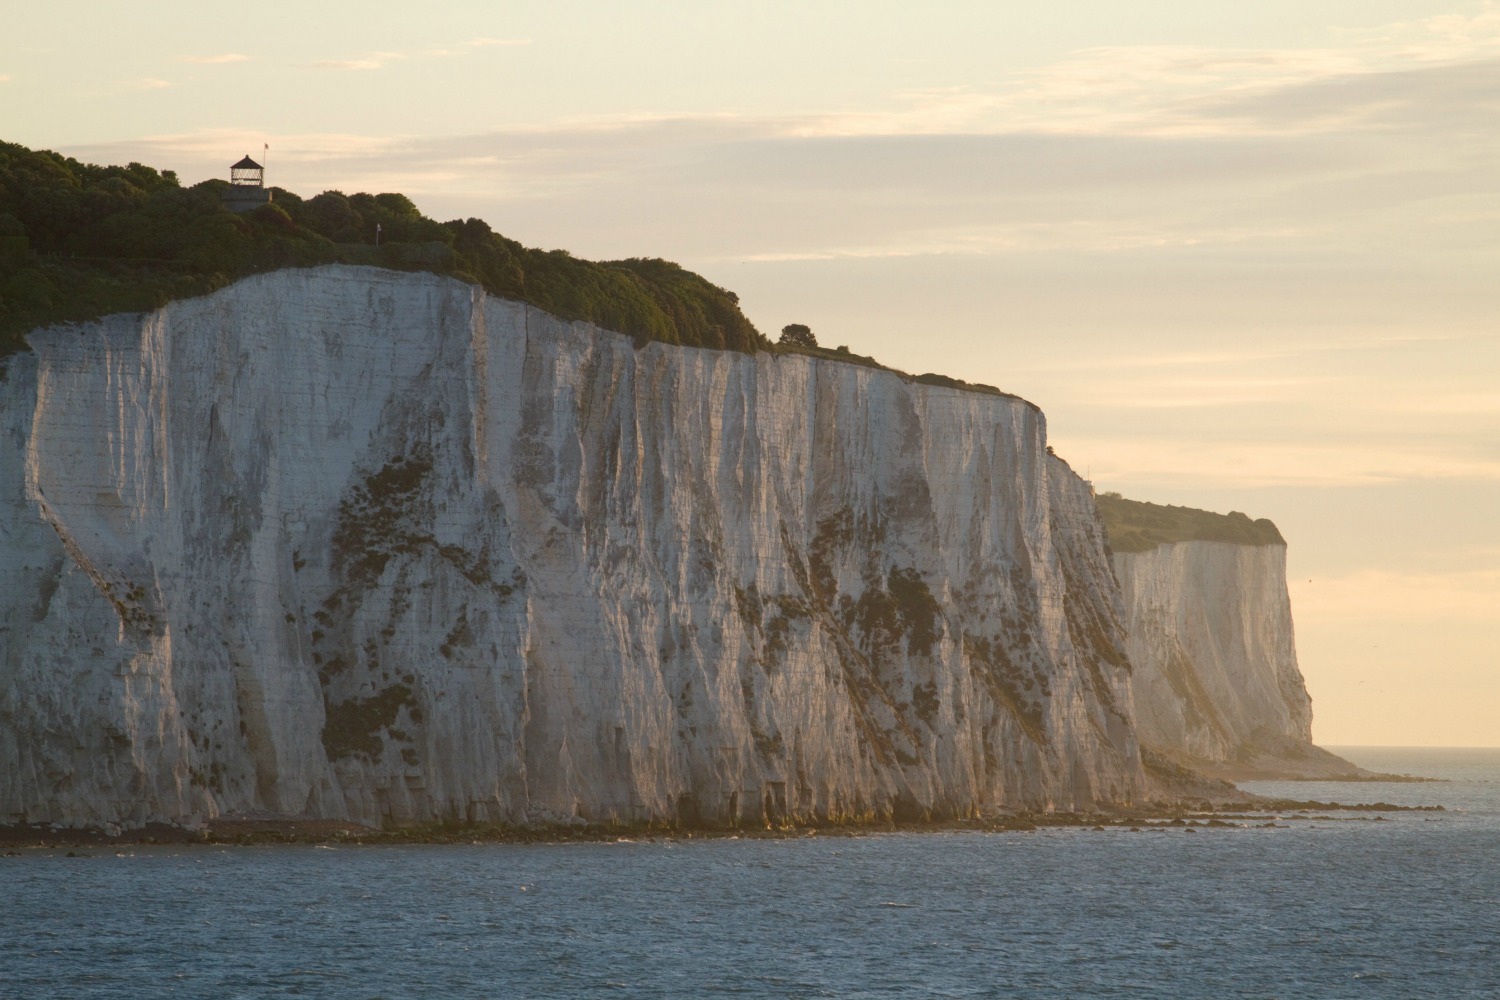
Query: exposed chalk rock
x=1217, y=683
x=355, y=544
x=1211, y=635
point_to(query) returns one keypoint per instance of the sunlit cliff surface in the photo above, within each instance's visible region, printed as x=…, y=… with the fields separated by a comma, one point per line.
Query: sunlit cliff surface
x=358, y=544
x=1217, y=684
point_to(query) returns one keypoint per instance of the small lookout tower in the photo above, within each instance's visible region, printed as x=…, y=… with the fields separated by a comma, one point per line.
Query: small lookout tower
x=247, y=187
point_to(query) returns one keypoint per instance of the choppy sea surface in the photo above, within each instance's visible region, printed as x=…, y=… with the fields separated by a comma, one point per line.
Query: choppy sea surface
x=1407, y=905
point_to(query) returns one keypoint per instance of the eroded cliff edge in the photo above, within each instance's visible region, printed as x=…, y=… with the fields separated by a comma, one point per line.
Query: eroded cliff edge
x=1217, y=684
x=352, y=544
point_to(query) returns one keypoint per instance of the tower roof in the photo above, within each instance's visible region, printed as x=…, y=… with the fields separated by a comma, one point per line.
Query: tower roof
x=247, y=164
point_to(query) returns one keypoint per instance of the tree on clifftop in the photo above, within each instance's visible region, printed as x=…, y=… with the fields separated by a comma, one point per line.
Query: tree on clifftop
x=798, y=335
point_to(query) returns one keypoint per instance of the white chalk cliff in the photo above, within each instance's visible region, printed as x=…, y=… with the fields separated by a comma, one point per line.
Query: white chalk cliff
x=1211, y=639
x=356, y=544
x=1216, y=680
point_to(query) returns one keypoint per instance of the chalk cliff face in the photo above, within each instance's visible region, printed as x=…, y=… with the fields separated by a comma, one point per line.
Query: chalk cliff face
x=1217, y=685
x=347, y=543
x=1211, y=639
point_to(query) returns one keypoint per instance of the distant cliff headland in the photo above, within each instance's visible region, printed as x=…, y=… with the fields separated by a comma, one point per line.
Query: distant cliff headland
x=1138, y=526
x=1217, y=684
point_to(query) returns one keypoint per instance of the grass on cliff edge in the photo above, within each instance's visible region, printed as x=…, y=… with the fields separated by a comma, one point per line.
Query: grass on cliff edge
x=1138, y=526
x=79, y=241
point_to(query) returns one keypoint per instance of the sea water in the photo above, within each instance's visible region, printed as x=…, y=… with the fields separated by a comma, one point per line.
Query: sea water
x=1403, y=905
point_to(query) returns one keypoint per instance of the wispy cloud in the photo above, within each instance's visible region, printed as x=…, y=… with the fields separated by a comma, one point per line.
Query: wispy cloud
x=1172, y=153
x=1440, y=38
x=216, y=60
x=1125, y=462
x=379, y=60
x=1230, y=359
x=999, y=238
x=1208, y=391
x=1386, y=596
x=1170, y=91
x=368, y=61
x=786, y=193
x=1183, y=90
x=4, y=77
x=1450, y=403
x=209, y=145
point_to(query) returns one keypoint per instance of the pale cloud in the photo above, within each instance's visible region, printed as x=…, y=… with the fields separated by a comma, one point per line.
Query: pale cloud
x=1441, y=38
x=1001, y=239
x=1296, y=350
x=355, y=64
x=1423, y=98
x=1163, y=91
x=781, y=195
x=1125, y=462
x=1179, y=92
x=217, y=60
x=1207, y=391
x=379, y=60
x=4, y=78
x=368, y=61
x=1450, y=403
x=1184, y=90
x=212, y=142
x=1389, y=596
x=475, y=43
x=1295, y=155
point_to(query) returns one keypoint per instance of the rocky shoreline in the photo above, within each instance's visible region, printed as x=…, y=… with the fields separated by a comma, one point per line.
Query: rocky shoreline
x=1255, y=812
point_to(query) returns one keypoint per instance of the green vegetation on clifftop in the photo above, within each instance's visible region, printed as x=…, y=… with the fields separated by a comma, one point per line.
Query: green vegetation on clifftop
x=79, y=241
x=1137, y=526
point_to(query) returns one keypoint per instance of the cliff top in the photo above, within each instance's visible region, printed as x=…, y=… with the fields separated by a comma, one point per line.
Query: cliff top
x=1138, y=526
x=80, y=241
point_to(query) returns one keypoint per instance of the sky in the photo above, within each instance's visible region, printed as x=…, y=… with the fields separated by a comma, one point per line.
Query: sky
x=1246, y=256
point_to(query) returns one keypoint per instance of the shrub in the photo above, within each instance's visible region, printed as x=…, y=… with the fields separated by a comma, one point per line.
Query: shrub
x=798, y=335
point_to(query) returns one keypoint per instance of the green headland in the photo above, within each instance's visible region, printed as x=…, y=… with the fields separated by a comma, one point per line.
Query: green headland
x=1137, y=526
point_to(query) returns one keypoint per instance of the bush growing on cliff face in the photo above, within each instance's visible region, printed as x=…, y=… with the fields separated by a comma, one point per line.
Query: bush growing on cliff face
x=121, y=239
